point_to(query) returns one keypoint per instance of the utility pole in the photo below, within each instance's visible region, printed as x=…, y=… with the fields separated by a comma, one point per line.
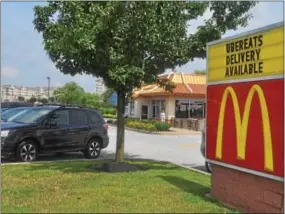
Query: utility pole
x=48, y=78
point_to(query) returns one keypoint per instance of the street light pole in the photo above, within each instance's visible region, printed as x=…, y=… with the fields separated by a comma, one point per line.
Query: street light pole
x=48, y=78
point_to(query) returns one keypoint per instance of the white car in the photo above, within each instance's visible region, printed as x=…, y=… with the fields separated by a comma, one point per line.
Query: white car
x=208, y=165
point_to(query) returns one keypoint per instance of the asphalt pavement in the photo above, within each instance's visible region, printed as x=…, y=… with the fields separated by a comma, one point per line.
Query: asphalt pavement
x=182, y=150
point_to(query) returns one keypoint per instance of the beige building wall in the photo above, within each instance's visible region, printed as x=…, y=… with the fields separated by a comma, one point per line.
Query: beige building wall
x=138, y=103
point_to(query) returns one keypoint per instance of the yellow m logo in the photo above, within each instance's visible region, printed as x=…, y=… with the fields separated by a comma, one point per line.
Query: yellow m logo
x=242, y=124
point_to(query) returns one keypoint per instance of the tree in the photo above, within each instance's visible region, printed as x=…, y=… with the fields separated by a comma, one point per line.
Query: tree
x=43, y=100
x=91, y=100
x=32, y=99
x=201, y=72
x=70, y=93
x=52, y=99
x=130, y=43
x=21, y=99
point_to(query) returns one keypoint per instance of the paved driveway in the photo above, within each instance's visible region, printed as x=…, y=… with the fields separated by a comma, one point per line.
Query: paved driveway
x=184, y=149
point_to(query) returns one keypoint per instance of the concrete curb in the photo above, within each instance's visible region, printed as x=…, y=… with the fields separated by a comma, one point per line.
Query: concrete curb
x=137, y=130
x=192, y=169
x=42, y=162
x=165, y=133
x=102, y=158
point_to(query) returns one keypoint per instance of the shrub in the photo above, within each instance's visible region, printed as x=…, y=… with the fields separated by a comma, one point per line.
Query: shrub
x=111, y=111
x=162, y=126
x=148, y=125
x=132, y=119
x=110, y=116
x=141, y=125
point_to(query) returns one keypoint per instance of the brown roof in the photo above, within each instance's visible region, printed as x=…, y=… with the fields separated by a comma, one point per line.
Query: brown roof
x=189, y=85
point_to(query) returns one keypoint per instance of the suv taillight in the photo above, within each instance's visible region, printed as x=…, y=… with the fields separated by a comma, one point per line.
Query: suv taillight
x=106, y=126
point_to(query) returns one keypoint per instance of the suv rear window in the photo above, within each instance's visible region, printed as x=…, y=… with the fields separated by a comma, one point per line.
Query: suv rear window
x=78, y=118
x=94, y=117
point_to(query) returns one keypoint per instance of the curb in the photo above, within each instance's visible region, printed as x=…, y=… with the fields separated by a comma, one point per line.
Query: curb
x=137, y=130
x=164, y=133
x=102, y=158
x=42, y=162
x=192, y=169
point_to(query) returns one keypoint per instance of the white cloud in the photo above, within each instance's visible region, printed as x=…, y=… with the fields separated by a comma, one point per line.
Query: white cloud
x=259, y=18
x=9, y=72
x=193, y=24
x=264, y=13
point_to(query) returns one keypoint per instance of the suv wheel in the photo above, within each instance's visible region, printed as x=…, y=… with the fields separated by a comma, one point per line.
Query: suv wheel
x=27, y=151
x=208, y=167
x=93, y=149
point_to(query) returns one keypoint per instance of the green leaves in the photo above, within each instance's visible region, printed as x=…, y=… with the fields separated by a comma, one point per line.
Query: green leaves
x=127, y=43
x=71, y=93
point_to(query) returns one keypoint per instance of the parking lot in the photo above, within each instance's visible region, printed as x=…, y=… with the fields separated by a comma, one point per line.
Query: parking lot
x=183, y=150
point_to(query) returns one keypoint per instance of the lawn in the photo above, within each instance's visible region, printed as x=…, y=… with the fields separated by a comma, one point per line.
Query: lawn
x=76, y=186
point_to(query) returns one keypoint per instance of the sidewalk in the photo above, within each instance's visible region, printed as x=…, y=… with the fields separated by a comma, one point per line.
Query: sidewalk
x=177, y=131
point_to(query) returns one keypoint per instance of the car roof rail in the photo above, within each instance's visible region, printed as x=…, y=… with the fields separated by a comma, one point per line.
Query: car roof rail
x=67, y=106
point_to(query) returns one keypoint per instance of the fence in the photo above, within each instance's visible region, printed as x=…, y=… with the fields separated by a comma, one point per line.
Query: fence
x=192, y=124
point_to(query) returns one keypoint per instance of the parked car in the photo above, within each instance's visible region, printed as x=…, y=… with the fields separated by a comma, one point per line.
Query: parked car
x=54, y=129
x=7, y=114
x=8, y=105
x=203, y=151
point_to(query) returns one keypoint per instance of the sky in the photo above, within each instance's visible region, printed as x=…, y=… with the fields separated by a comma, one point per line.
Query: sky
x=24, y=61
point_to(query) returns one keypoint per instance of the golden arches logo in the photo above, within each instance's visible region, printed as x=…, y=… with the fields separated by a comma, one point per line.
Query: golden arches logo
x=241, y=123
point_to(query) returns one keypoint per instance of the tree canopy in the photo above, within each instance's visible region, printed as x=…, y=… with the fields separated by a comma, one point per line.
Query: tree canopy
x=201, y=71
x=72, y=93
x=130, y=43
x=33, y=99
x=43, y=100
x=126, y=43
x=21, y=98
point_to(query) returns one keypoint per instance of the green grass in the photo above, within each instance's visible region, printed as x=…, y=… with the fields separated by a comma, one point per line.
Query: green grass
x=76, y=187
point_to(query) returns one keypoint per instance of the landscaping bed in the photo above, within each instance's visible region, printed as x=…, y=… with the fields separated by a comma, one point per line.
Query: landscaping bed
x=77, y=186
x=109, y=113
x=144, y=125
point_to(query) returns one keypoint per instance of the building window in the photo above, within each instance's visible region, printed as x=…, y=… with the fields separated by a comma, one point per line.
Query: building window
x=157, y=107
x=188, y=109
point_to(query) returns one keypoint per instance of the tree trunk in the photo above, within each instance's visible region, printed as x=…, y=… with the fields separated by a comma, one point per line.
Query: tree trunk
x=120, y=126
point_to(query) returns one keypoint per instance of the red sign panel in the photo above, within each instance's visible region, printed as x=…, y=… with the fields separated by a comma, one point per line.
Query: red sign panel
x=245, y=125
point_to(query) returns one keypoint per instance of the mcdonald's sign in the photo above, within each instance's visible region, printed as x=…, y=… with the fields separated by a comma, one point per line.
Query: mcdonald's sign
x=245, y=127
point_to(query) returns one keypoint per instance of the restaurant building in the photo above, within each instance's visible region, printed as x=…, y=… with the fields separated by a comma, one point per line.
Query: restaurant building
x=187, y=101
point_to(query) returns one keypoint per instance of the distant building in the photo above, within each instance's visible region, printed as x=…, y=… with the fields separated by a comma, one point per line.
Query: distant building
x=100, y=87
x=12, y=92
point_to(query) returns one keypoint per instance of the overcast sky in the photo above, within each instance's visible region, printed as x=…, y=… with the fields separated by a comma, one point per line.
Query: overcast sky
x=24, y=61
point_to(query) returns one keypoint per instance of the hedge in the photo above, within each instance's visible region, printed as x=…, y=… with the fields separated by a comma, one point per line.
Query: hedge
x=109, y=111
x=110, y=116
x=148, y=125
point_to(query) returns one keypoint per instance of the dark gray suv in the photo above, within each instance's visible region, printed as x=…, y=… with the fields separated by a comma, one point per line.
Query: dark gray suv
x=54, y=129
